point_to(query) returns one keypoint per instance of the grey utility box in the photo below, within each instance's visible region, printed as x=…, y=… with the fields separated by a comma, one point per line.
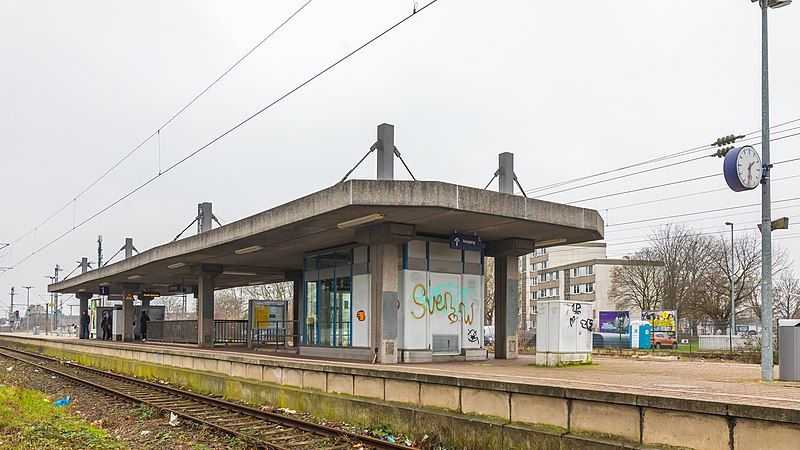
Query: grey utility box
x=789, y=349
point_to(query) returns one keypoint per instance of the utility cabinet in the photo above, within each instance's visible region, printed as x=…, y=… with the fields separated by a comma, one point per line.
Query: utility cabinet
x=564, y=332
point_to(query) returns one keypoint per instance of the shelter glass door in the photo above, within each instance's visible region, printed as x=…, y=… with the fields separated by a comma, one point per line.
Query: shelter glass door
x=327, y=309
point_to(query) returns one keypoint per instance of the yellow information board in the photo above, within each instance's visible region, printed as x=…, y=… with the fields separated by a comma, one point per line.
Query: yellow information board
x=261, y=316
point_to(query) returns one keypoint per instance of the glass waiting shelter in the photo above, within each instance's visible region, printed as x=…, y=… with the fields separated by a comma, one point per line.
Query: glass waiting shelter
x=328, y=296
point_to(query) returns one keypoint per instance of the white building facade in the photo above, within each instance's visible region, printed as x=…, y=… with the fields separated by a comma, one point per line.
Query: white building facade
x=579, y=272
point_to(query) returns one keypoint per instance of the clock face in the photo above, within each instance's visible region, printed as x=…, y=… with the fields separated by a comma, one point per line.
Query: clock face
x=748, y=167
x=742, y=168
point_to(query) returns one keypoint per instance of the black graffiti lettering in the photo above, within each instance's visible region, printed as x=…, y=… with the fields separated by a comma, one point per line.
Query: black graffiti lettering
x=572, y=320
x=587, y=324
x=472, y=335
x=576, y=308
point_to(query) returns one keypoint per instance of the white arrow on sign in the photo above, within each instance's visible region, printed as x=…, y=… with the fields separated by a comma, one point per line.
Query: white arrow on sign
x=457, y=241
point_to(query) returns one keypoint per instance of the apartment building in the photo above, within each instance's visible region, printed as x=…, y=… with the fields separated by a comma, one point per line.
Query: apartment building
x=579, y=272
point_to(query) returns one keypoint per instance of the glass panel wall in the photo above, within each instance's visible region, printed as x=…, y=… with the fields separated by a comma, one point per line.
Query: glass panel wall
x=309, y=330
x=327, y=308
x=328, y=299
x=343, y=314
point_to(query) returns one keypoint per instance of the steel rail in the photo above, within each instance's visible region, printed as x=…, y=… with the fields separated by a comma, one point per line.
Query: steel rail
x=198, y=400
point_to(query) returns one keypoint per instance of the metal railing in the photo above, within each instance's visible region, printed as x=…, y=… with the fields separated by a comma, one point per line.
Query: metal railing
x=178, y=331
x=230, y=332
x=281, y=334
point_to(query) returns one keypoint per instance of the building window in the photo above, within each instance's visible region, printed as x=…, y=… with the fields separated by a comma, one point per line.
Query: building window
x=576, y=289
x=591, y=269
x=589, y=287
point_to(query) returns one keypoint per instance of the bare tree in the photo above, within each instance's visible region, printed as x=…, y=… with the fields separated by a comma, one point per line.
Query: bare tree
x=638, y=285
x=173, y=307
x=715, y=301
x=230, y=304
x=685, y=255
x=787, y=296
x=274, y=291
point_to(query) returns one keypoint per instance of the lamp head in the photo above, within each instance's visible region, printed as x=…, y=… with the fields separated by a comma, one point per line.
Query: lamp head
x=774, y=3
x=730, y=224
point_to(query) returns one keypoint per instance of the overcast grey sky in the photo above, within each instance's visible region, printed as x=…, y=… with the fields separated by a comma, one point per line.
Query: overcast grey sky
x=572, y=88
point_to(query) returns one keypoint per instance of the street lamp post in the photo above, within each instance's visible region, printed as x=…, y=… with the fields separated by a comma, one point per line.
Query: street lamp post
x=767, y=373
x=28, y=310
x=733, y=306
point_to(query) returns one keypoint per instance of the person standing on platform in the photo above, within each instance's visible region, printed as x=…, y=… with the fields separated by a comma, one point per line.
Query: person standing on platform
x=110, y=326
x=143, y=325
x=104, y=325
x=85, y=320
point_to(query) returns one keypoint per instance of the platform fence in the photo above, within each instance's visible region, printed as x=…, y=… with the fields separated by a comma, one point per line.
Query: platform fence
x=277, y=335
x=177, y=331
x=230, y=332
x=185, y=331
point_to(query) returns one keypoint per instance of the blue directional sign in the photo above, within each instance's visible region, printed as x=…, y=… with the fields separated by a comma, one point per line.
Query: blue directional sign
x=471, y=242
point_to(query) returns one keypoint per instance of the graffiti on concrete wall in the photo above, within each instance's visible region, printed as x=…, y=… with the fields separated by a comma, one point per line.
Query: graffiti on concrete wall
x=441, y=300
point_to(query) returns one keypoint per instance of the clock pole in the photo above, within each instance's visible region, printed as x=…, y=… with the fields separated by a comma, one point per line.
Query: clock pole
x=766, y=212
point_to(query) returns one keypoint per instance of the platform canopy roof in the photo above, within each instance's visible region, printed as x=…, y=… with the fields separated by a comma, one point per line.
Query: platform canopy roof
x=269, y=246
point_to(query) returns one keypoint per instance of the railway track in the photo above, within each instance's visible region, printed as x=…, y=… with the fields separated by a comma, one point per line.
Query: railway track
x=258, y=428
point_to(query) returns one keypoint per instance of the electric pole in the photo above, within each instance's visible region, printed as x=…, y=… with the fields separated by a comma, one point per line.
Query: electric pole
x=54, y=297
x=11, y=310
x=99, y=251
x=28, y=310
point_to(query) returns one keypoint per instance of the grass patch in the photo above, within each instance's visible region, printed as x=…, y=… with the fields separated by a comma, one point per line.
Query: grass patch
x=29, y=420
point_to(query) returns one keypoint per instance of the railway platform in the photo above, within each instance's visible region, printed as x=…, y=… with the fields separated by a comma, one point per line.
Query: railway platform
x=616, y=402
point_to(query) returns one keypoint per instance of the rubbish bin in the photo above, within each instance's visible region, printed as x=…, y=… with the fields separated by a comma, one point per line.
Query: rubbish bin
x=789, y=349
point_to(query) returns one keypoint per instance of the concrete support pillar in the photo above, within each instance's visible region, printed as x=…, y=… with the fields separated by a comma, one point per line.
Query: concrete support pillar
x=506, y=255
x=205, y=309
x=506, y=289
x=83, y=307
x=127, y=312
x=204, y=216
x=84, y=265
x=294, y=314
x=128, y=247
x=385, y=151
x=385, y=301
x=506, y=173
x=83, y=301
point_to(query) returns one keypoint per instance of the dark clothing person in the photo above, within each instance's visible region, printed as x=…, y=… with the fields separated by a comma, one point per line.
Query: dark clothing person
x=85, y=320
x=104, y=326
x=143, y=325
x=110, y=327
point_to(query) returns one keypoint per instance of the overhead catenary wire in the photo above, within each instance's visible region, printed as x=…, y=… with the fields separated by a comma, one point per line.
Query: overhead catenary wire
x=655, y=160
x=651, y=170
x=157, y=132
x=630, y=222
x=671, y=183
x=229, y=131
x=719, y=216
x=691, y=194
